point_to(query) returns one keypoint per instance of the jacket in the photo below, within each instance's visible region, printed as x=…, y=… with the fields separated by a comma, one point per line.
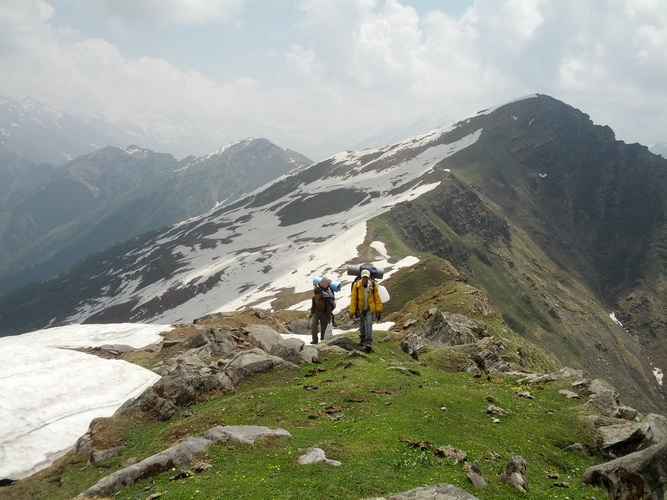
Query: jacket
x=357, y=298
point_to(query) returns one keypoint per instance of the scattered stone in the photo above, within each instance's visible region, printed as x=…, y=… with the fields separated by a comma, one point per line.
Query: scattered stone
x=495, y=410
x=525, y=394
x=316, y=455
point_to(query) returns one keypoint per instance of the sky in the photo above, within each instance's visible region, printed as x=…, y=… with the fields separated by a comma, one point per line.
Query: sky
x=317, y=76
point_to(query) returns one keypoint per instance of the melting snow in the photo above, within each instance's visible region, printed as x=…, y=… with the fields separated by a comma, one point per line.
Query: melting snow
x=52, y=392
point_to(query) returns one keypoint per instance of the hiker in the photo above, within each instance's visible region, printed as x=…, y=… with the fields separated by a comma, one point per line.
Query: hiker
x=364, y=303
x=321, y=309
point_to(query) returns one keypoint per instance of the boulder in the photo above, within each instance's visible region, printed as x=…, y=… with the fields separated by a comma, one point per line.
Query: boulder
x=641, y=475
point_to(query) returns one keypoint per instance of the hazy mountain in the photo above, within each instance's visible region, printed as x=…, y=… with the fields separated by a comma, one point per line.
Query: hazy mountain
x=562, y=226
x=52, y=220
x=44, y=134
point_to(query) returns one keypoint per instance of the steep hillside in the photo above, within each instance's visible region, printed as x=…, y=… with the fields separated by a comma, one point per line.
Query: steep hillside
x=531, y=202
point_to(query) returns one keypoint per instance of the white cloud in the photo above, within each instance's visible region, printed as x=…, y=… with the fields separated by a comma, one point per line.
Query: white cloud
x=319, y=71
x=169, y=11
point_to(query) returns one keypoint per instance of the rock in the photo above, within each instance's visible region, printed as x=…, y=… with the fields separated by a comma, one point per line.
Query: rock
x=440, y=491
x=346, y=343
x=448, y=329
x=569, y=394
x=495, y=410
x=627, y=413
x=657, y=427
x=576, y=448
x=640, y=475
x=623, y=438
x=316, y=455
x=448, y=451
x=184, y=453
x=275, y=344
x=474, y=474
x=515, y=474
x=254, y=361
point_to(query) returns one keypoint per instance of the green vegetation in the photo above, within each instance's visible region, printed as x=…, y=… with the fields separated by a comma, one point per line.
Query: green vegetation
x=383, y=423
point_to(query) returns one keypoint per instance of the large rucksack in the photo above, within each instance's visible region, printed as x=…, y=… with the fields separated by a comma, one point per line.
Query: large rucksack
x=327, y=293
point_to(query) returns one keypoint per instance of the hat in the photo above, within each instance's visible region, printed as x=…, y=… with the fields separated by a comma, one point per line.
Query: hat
x=366, y=273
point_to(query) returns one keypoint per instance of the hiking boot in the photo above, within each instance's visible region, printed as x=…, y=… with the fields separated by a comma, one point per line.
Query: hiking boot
x=367, y=348
x=313, y=341
x=361, y=343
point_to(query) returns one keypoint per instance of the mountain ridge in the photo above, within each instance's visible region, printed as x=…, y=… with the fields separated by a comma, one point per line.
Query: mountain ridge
x=520, y=198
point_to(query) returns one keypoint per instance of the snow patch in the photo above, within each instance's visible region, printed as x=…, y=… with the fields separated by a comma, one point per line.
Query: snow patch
x=612, y=315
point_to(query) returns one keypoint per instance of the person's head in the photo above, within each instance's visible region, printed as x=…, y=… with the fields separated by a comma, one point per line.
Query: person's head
x=365, y=276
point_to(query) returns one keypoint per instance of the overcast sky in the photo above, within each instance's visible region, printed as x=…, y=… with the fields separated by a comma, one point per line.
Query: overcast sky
x=318, y=74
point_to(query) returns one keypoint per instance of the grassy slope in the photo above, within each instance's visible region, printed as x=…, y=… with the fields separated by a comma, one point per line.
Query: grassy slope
x=360, y=411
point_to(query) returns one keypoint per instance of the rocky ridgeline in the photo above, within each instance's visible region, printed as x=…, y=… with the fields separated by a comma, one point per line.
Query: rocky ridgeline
x=217, y=358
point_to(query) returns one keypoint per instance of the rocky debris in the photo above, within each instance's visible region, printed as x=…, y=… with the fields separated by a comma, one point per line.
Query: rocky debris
x=515, y=474
x=474, y=474
x=641, y=475
x=440, y=491
x=316, y=455
x=186, y=452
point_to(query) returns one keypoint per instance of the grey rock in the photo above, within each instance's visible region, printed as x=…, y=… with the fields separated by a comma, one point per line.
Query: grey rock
x=316, y=455
x=641, y=475
x=515, y=474
x=448, y=329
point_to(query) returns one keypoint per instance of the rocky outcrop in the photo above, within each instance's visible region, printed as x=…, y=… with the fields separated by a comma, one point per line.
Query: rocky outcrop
x=215, y=360
x=641, y=475
x=447, y=329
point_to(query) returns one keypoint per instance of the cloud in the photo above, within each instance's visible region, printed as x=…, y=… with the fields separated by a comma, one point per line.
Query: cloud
x=317, y=71
x=169, y=12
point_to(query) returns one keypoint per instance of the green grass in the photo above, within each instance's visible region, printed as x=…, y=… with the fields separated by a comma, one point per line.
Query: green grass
x=364, y=414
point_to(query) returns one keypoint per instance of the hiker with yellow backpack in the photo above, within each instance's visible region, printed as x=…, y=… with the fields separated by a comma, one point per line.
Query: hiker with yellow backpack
x=364, y=304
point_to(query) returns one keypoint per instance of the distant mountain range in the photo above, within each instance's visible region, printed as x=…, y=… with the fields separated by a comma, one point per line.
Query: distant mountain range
x=562, y=226
x=52, y=216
